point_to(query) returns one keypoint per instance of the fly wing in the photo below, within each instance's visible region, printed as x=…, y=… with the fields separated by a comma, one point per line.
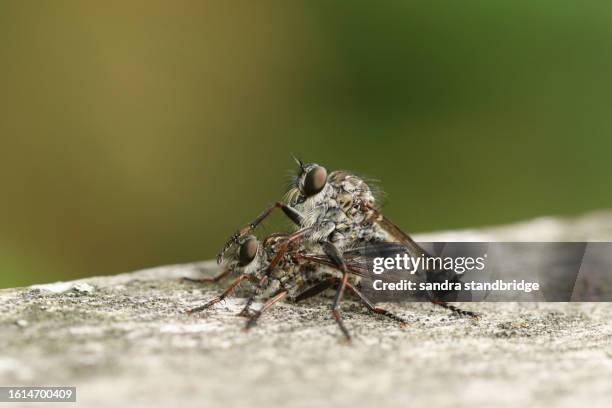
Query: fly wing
x=396, y=232
x=362, y=257
x=355, y=266
x=414, y=250
x=359, y=260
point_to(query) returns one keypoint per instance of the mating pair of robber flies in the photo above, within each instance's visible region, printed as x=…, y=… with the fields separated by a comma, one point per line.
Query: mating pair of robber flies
x=338, y=228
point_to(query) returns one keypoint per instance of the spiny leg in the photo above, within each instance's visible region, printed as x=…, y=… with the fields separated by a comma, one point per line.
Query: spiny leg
x=290, y=212
x=455, y=309
x=228, y=291
x=336, y=257
x=208, y=279
x=374, y=309
x=245, y=310
x=336, y=306
x=253, y=319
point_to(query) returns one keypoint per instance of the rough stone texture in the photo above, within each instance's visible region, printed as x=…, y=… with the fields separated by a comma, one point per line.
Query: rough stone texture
x=124, y=339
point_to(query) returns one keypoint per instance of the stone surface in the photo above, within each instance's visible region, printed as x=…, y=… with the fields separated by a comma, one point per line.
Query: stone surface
x=125, y=339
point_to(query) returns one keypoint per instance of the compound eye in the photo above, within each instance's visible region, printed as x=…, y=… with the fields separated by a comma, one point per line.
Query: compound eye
x=315, y=181
x=247, y=251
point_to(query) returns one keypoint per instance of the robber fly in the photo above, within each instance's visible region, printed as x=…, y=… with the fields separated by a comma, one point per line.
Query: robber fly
x=297, y=276
x=332, y=213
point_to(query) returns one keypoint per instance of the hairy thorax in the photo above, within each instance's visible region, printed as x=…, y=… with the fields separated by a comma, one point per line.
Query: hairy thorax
x=338, y=213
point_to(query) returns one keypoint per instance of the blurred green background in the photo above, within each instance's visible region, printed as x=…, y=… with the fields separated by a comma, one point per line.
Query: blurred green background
x=140, y=133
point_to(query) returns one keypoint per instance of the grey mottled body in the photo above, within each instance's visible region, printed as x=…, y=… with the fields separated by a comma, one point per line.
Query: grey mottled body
x=340, y=213
x=333, y=214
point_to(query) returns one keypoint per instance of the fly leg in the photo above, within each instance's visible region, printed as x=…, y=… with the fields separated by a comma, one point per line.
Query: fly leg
x=374, y=309
x=276, y=298
x=208, y=279
x=228, y=291
x=245, y=312
x=290, y=212
x=336, y=257
x=455, y=309
x=326, y=284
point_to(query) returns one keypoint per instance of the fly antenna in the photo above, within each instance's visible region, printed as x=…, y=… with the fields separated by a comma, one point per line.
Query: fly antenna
x=299, y=163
